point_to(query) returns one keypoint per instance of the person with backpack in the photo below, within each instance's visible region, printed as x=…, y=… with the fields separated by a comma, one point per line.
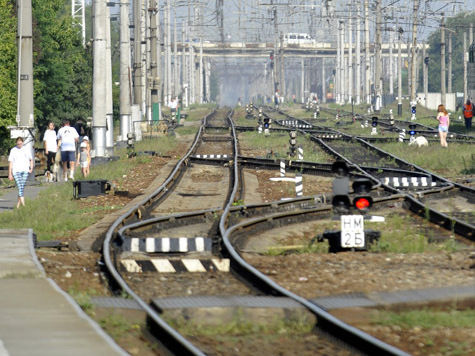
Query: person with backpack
x=468, y=110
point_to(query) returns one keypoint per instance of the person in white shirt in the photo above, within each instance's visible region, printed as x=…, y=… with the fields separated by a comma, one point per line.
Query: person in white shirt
x=50, y=144
x=67, y=139
x=20, y=164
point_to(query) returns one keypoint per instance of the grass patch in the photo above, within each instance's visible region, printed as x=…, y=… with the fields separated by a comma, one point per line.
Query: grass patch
x=454, y=160
x=83, y=298
x=54, y=214
x=118, y=326
x=241, y=325
x=426, y=318
x=278, y=144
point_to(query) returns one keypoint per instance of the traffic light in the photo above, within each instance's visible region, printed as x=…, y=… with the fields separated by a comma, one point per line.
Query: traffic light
x=341, y=200
x=426, y=60
x=362, y=201
x=271, y=57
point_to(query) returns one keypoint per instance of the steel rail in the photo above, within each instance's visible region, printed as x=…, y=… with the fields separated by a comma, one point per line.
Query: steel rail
x=179, y=343
x=463, y=228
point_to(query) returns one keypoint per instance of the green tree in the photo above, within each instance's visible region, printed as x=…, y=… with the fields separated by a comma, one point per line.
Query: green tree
x=457, y=25
x=7, y=70
x=62, y=67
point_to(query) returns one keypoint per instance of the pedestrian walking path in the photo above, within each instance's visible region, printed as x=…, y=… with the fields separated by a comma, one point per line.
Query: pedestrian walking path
x=9, y=197
x=36, y=316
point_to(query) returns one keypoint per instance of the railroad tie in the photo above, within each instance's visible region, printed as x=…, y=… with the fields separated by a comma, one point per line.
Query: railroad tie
x=211, y=156
x=164, y=265
x=167, y=244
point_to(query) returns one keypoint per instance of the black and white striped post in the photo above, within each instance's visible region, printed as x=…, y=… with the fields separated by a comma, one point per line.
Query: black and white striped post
x=282, y=168
x=299, y=153
x=259, y=129
x=298, y=185
x=402, y=135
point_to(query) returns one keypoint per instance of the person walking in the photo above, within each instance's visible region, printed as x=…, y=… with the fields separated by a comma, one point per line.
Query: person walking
x=468, y=110
x=67, y=139
x=50, y=145
x=444, y=123
x=83, y=159
x=20, y=164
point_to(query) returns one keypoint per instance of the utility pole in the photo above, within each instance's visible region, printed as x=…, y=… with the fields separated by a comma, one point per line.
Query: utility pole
x=169, y=54
x=358, y=55
x=125, y=99
x=201, y=71
x=276, y=59
x=302, y=79
x=413, y=51
x=425, y=73
x=449, y=63
x=399, y=74
x=378, y=58
x=25, y=107
x=367, y=54
x=137, y=54
x=391, y=64
x=154, y=79
x=176, y=90
x=337, y=70
x=183, y=61
x=109, y=103
x=324, y=83
x=350, y=59
x=342, y=62
x=465, y=60
x=282, y=67
x=442, y=61
x=99, y=86
x=345, y=65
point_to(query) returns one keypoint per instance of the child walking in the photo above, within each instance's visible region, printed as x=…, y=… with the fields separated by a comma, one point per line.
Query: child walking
x=83, y=159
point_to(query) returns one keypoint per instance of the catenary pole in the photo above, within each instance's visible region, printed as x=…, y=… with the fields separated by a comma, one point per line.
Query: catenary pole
x=125, y=98
x=358, y=55
x=367, y=54
x=99, y=86
x=413, y=50
x=442, y=61
x=109, y=102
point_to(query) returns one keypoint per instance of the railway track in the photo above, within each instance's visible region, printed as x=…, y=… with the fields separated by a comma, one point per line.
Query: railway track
x=376, y=163
x=134, y=241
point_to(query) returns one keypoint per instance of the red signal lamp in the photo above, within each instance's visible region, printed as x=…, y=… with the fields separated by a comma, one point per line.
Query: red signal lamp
x=363, y=203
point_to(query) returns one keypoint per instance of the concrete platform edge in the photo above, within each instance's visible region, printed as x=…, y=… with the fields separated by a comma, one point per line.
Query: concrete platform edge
x=34, y=257
x=87, y=318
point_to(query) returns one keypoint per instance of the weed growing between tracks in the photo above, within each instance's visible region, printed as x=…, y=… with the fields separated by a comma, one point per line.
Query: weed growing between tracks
x=277, y=146
x=429, y=330
x=450, y=162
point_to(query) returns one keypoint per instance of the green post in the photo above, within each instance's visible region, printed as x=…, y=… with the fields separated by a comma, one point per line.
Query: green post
x=178, y=116
x=155, y=112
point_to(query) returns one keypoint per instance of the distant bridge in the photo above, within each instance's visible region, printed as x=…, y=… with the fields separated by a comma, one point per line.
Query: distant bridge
x=317, y=49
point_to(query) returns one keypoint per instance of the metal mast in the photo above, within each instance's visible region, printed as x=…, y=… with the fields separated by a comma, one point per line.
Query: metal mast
x=99, y=86
x=125, y=98
x=79, y=17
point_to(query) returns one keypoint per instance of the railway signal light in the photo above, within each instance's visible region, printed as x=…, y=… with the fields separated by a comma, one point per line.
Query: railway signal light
x=374, y=124
x=362, y=201
x=267, y=122
x=341, y=200
x=293, y=143
x=426, y=60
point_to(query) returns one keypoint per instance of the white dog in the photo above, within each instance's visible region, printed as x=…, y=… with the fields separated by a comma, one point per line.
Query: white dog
x=419, y=141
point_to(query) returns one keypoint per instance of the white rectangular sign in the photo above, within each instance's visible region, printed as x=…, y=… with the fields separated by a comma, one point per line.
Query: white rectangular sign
x=352, y=231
